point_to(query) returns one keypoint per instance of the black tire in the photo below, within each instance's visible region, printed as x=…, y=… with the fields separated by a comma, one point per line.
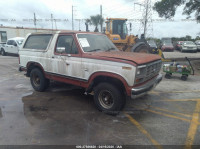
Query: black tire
x=3, y=53
x=141, y=49
x=38, y=81
x=181, y=50
x=168, y=76
x=184, y=77
x=108, y=98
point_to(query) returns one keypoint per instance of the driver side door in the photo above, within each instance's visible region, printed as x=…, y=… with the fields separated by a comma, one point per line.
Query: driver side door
x=67, y=58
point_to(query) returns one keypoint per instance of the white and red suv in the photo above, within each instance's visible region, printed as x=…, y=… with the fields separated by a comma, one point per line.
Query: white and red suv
x=91, y=61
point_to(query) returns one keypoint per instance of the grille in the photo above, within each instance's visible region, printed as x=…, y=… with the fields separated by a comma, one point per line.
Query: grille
x=152, y=70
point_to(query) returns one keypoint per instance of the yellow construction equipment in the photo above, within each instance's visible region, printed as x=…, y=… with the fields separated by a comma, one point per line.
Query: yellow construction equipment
x=117, y=32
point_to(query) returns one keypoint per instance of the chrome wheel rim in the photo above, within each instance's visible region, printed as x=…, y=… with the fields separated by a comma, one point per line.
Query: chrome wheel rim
x=106, y=99
x=36, y=80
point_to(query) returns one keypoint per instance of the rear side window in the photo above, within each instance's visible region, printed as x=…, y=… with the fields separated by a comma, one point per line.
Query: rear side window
x=39, y=42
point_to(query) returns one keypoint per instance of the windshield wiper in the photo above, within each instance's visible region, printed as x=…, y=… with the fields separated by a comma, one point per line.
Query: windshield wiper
x=94, y=50
x=110, y=49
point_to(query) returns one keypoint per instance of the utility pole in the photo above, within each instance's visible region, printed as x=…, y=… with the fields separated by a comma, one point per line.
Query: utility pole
x=72, y=17
x=101, y=17
x=147, y=23
x=55, y=24
x=52, y=21
x=79, y=25
x=34, y=20
x=145, y=18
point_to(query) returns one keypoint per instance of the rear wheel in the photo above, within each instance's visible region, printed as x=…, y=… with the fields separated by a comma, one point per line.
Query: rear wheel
x=38, y=81
x=3, y=53
x=141, y=49
x=108, y=98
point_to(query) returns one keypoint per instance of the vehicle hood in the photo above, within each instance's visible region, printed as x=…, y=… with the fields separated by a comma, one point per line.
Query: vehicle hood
x=138, y=58
x=168, y=46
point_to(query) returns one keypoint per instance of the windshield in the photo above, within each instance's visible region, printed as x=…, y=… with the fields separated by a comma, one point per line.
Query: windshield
x=152, y=42
x=167, y=42
x=20, y=41
x=93, y=42
x=119, y=27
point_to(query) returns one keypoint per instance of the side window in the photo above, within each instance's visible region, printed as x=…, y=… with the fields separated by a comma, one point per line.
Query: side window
x=9, y=42
x=14, y=43
x=39, y=42
x=108, y=26
x=66, y=44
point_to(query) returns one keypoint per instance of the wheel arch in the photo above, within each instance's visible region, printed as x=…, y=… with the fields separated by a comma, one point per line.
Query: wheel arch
x=31, y=65
x=109, y=77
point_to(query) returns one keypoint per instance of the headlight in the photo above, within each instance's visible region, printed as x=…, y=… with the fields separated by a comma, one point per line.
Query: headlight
x=138, y=72
x=141, y=70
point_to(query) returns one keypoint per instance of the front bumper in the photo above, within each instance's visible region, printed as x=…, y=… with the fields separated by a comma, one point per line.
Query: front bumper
x=188, y=50
x=141, y=90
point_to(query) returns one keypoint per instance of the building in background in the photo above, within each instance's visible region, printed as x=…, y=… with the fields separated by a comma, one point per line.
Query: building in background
x=7, y=32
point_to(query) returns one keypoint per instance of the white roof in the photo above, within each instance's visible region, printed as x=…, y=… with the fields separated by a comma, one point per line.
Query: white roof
x=16, y=38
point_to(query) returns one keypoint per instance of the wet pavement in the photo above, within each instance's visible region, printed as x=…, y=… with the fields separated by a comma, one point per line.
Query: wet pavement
x=169, y=115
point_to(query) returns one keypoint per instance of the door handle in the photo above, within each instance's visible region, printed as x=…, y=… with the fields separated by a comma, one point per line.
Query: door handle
x=67, y=63
x=86, y=69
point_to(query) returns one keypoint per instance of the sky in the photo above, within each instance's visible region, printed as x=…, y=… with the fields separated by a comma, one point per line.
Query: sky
x=21, y=13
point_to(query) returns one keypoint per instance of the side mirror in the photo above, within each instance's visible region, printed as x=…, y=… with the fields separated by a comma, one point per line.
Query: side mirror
x=15, y=44
x=60, y=50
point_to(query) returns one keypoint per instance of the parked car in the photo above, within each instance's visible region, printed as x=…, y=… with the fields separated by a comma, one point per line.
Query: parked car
x=153, y=46
x=90, y=61
x=188, y=46
x=12, y=46
x=167, y=46
x=197, y=42
x=178, y=45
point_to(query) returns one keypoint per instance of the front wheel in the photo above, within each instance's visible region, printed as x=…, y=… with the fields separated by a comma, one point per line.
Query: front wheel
x=38, y=81
x=184, y=77
x=108, y=98
x=3, y=53
x=168, y=75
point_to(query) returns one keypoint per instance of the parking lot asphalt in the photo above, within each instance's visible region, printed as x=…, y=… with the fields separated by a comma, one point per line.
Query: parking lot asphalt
x=177, y=55
x=168, y=115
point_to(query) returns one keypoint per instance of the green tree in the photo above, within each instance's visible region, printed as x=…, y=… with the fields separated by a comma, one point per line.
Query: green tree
x=96, y=20
x=167, y=8
x=87, y=23
x=188, y=37
x=197, y=38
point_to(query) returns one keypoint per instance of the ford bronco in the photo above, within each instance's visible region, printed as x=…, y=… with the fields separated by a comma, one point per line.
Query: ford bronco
x=90, y=61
